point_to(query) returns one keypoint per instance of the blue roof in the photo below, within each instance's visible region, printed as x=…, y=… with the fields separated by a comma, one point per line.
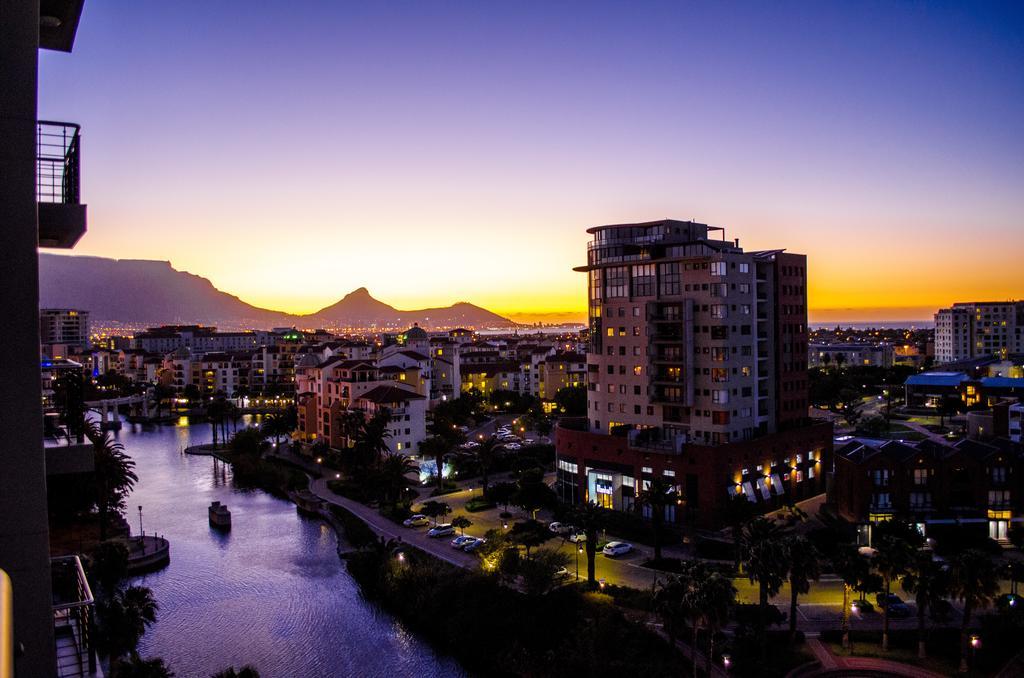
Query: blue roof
x=936, y=379
x=1001, y=382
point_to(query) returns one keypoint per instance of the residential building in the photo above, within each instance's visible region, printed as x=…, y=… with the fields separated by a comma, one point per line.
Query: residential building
x=874, y=355
x=559, y=371
x=697, y=371
x=40, y=206
x=66, y=326
x=979, y=329
x=972, y=485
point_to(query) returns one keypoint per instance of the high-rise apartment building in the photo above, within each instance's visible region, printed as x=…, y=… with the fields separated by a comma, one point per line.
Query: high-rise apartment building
x=64, y=326
x=697, y=370
x=979, y=329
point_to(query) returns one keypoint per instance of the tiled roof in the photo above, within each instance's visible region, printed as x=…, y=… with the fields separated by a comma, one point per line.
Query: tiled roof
x=390, y=394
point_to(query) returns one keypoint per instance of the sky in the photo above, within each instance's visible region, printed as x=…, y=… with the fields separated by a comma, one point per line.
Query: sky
x=437, y=152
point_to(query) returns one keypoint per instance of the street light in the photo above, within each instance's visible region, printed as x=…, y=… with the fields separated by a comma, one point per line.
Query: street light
x=579, y=550
x=726, y=661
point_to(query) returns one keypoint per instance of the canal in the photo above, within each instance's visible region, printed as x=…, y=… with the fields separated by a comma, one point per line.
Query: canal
x=272, y=592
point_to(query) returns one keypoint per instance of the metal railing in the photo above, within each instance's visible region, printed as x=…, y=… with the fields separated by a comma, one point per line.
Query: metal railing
x=6, y=627
x=73, y=605
x=57, y=162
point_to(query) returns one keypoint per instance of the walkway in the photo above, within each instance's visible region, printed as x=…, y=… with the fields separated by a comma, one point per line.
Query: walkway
x=830, y=662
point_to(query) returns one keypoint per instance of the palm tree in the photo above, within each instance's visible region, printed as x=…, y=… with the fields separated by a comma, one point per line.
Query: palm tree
x=804, y=567
x=124, y=618
x=436, y=447
x=719, y=599
x=896, y=544
x=928, y=583
x=850, y=566
x=591, y=519
x=275, y=425
x=246, y=671
x=137, y=667
x=394, y=468
x=114, y=472
x=972, y=580
x=485, y=453
x=738, y=512
x=372, y=437
x=657, y=497
x=349, y=424
x=435, y=509
x=669, y=595
x=216, y=411
x=766, y=562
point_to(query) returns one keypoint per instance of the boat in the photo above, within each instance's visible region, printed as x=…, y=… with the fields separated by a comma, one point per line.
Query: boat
x=220, y=516
x=306, y=502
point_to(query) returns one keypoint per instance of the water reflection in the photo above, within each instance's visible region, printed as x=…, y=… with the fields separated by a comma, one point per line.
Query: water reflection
x=272, y=592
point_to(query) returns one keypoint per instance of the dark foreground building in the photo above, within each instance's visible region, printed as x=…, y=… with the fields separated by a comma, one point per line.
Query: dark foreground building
x=697, y=373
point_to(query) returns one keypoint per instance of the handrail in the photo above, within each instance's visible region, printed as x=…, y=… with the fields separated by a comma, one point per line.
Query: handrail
x=57, y=161
x=6, y=626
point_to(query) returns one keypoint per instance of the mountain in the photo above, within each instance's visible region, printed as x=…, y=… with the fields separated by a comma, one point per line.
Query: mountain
x=138, y=291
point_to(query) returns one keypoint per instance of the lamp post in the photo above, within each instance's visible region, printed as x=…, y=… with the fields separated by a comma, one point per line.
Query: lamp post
x=975, y=644
x=579, y=550
x=141, y=533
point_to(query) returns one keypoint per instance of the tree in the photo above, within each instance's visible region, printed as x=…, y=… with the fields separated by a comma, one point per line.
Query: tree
x=502, y=493
x=372, y=438
x=718, y=600
x=850, y=566
x=394, y=467
x=108, y=565
x=435, y=509
x=926, y=580
x=137, y=667
x=533, y=495
x=659, y=495
x=738, y=512
x=216, y=411
x=804, y=567
x=275, y=425
x=485, y=453
x=590, y=518
x=69, y=397
x=436, y=447
x=572, y=401
x=766, y=562
x=973, y=581
x=540, y=573
x=894, y=554
x=528, y=534
x=701, y=598
x=114, y=473
x=246, y=671
x=461, y=523
x=124, y=618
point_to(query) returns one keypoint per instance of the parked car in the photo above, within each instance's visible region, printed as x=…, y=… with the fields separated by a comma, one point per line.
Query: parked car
x=442, y=530
x=897, y=608
x=529, y=441
x=559, y=528
x=578, y=537
x=616, y=548
x=472, y=544
x=461, y=541
x=513, y=446
x=562, y=573
x=417, y=520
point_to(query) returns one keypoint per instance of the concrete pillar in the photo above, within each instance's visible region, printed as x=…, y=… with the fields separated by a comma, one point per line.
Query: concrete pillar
x=103, y=413
x=24, y=530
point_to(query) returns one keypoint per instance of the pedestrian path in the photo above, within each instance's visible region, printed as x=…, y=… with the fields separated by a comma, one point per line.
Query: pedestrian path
x=831, y=662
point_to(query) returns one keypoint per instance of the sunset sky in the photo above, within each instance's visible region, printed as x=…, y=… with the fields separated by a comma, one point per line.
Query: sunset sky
x=444, y=151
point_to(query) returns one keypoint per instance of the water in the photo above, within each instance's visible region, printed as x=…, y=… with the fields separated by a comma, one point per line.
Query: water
x=272, y=592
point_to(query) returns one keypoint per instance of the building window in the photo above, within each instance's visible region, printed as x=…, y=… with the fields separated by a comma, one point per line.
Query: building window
x=719, y=311
x=670, y=279
x=616, y=284
x=643, y=280
x=880, y=477
x=998, y=474
x=920, y=476
x=718, y=268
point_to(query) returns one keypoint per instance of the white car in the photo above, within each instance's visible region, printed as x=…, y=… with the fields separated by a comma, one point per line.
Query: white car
x=558, y=528
x=529, y=441
x=616, y=548
x=460, y=541
x=418, y=520
x=513, y=446
x=578, y=537
x=442, y=530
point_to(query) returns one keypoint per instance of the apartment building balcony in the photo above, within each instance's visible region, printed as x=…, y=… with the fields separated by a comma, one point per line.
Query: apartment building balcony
x=73, y=624
x=62, y=217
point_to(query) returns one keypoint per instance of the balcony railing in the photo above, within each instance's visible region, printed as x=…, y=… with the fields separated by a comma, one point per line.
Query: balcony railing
x=57, y=162
x=73, y=618
x=58, y=184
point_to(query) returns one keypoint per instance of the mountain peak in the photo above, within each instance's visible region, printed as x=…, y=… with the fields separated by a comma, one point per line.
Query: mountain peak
x=362, y=292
